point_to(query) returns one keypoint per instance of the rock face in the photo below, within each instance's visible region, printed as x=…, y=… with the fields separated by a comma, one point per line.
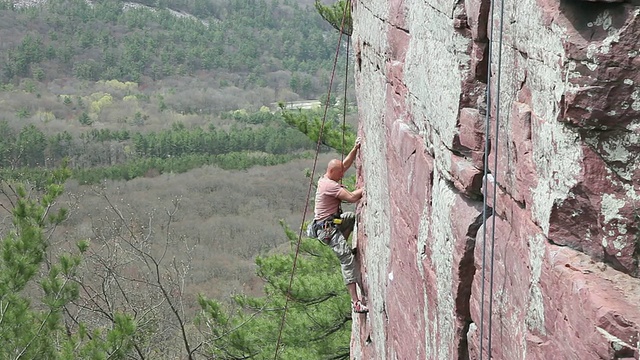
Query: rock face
x=562, y=281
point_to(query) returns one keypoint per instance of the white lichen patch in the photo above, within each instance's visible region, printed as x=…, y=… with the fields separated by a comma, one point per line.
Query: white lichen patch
x=619, y=243
x=442, y=261
x=622, y=230
x=535, y=309
x=570, y=71
x=432, y=69
x=604, y=20
x=556, y=156
x=635, y=105
x=592, y=50
x=610, y=207
x=616, y=150
x=557, y=160
x=631, y=193
x=423, y=236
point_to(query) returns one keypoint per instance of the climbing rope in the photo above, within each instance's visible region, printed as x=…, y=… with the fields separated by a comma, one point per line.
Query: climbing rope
x=344, y=105
x=315, y=162
x=495, y=178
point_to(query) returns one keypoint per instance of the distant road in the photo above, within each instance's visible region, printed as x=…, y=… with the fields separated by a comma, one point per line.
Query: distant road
x=304, y=104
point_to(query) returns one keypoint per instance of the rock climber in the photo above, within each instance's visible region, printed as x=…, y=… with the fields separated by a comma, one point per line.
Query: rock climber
x=332, y=227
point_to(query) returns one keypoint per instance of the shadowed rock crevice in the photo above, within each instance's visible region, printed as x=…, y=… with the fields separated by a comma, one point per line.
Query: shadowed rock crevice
x=613, y=261
x=406, y=31
x=636, y=252
x=582, y=14
x=466, y=273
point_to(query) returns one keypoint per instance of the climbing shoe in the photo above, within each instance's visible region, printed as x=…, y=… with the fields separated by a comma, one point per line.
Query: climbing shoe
x=358, y=307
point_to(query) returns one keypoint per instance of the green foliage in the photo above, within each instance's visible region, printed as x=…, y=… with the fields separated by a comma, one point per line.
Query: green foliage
x=162, y=106
x=29, y=86
x=6, y=5
x=7, y=144
x=70, y=38
x=30, y=145
x=265, y=140
x=38, y=73
x=309, y=122
x=180, y=164
x=318, y=319
x=34, y=328
x=23, y=113
x=263, y=117
x=84, y=119
x=178, y=141
x=335, y=13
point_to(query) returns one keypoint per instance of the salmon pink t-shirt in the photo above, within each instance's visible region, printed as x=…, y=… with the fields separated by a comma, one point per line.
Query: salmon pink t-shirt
x=327, y=202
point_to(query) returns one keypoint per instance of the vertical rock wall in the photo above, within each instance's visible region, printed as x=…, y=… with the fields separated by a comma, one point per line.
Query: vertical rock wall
x=567, y=208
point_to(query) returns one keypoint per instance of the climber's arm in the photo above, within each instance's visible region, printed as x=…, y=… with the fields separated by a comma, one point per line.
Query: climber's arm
x=348, y=196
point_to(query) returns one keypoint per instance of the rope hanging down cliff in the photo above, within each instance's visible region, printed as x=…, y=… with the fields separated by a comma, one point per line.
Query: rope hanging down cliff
x=494, y=174
x=315, y=161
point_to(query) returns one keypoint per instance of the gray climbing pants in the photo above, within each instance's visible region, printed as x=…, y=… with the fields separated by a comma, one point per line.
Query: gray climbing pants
x=333, y=236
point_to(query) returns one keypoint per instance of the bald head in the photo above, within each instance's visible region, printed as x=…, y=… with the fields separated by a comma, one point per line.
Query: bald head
x=334, y=170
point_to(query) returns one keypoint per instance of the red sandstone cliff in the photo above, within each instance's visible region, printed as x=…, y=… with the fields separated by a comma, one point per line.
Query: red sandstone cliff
x=567, y=238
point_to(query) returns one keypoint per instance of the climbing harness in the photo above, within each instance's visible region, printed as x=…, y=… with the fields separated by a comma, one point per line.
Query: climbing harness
x=328, y=227
x=315, y=162
x=486, y=176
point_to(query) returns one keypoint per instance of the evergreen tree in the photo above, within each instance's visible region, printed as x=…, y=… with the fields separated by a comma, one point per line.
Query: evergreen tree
x=309, y=122
x=31, y=145
x=33, y=327
x=318, y=317
x=7, y=144
x=334, y=14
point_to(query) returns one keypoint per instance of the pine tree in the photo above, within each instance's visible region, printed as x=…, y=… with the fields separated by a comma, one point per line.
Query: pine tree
x=318, y=317
x=334, y=14
x=33, y=295
x=309, y=122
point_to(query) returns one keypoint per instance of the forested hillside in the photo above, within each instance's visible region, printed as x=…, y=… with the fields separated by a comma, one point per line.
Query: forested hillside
x=242, y=43
x=145, y=163
x=139, y=89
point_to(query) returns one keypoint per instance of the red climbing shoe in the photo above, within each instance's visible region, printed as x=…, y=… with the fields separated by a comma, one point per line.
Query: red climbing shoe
x=358, y=307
